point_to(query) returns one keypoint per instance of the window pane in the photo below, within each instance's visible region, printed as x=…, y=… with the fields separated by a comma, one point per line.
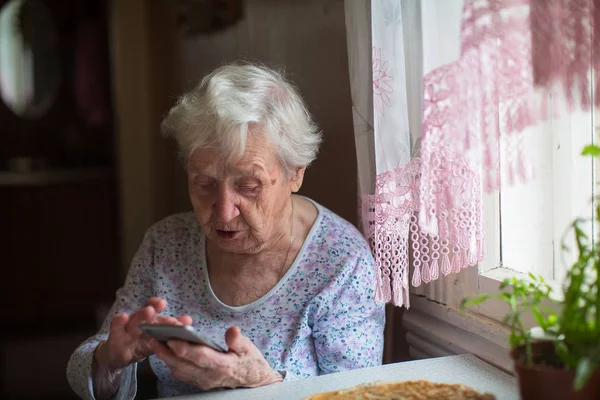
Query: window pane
x=535, y=216
x=526, y=211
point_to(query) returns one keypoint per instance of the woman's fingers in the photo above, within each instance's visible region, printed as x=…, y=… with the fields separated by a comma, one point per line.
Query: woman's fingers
x=114, y=351
x=158, y=303
x=185, y=319
x=163, y=352
x=158, y=348
x=200, y=355
x=142, y=315
x=150, y=314
x=126, y=341
x=237, y=342
x=252, y=369
x=204, y=367
x=166, y=320
x=117, y=325
x=154, y=306
x=184, y=370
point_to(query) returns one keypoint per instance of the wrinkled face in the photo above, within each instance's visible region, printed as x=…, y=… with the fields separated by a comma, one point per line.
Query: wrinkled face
x=241, y=203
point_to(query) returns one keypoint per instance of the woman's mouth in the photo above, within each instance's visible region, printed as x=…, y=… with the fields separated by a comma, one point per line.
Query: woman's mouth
x=227, y=235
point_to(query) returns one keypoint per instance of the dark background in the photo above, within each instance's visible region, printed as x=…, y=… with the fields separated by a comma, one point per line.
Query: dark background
x=69, y=227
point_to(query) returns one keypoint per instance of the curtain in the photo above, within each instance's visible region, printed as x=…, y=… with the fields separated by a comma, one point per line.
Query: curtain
x=388, y=63
x=385, y=91
x=442, y=94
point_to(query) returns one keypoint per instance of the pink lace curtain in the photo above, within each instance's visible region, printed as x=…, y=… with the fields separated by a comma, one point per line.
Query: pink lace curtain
x=442, y=94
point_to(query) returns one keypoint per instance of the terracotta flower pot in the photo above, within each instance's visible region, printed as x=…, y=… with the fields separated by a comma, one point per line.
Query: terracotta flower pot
x=540, y=381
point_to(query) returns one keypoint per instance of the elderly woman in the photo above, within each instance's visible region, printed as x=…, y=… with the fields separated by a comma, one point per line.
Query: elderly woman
x=283, y=283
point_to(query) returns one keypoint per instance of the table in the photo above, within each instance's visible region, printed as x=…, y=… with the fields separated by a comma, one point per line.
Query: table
x=465, y=368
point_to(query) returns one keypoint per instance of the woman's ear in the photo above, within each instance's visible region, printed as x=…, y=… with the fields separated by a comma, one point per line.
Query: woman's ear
x=296, y=179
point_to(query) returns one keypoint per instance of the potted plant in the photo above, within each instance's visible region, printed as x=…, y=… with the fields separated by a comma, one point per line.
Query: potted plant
x=563, y=362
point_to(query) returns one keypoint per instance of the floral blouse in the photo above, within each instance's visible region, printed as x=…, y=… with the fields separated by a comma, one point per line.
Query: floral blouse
x=320, y=318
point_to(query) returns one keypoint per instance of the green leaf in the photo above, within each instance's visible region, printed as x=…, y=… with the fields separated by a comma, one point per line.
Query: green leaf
x=474, y=300
x=591, y=150
x=539, y=318
x=533, y=277
x=513, y=303
x=585, y=367
x=516, y=339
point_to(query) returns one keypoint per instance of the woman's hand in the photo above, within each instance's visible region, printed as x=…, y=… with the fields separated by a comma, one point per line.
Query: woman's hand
x=201, y=366
x=126, y=343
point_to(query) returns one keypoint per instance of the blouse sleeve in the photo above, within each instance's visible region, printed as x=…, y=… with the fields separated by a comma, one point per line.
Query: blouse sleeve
x=132, y=296
x=348, y=332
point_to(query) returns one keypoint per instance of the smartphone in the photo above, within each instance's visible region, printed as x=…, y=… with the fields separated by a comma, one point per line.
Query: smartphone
x=187, y=333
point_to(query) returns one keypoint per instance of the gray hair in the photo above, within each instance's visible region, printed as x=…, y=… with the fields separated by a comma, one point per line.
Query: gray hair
x=218, y=112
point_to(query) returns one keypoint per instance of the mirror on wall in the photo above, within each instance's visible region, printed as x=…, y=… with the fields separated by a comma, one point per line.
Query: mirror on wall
x=30, y=68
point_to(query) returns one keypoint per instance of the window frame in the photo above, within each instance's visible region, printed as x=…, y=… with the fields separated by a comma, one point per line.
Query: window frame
x=490, y=272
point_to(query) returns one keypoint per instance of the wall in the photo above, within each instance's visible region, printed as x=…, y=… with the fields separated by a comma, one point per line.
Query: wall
x=308, y=38
x=143, y=59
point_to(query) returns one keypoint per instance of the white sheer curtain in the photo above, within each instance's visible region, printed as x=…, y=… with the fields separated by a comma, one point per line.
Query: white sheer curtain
x=392, y=45
x=377, y=50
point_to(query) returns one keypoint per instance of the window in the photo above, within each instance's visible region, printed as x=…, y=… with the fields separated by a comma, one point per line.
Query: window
x=525, y=228
x=526, y=224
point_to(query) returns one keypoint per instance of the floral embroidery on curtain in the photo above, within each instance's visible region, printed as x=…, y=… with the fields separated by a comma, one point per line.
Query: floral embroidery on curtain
x=382, y=88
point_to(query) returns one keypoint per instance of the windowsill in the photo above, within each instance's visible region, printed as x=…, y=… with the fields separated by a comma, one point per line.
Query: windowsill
x=459, y=332
x=435, y=329
x=489, y=282
x=497, y=275
x=493, y=330
x=478, y=330
x=495, y=309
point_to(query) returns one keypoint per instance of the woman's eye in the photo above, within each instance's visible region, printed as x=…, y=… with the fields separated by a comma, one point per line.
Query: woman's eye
x=250, y=189
x=205, y=185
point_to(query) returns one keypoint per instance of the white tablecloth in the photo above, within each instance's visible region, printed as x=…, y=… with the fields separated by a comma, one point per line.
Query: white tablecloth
x=466, y=369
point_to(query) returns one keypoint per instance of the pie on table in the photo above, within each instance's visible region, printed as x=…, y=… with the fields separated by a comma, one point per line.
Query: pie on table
x=407, y=390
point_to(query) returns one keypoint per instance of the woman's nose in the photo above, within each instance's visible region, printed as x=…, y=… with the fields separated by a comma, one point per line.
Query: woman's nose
x=225, y=207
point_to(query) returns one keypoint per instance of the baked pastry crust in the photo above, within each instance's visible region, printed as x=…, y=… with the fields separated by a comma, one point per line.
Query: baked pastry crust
x=407, y=390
